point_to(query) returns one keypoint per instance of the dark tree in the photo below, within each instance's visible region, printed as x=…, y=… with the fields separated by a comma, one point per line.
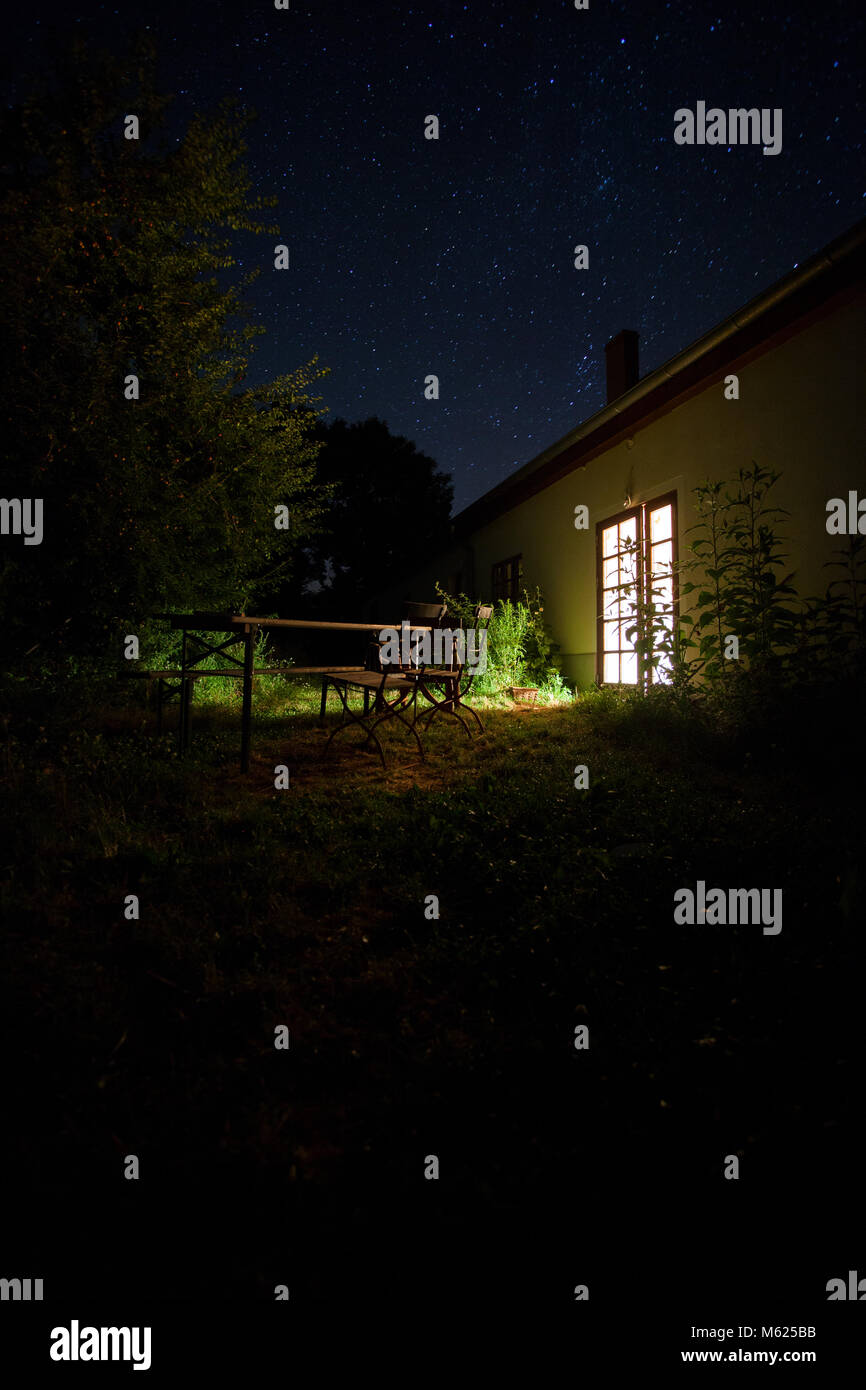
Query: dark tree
x=116, y=262
x=390, y=507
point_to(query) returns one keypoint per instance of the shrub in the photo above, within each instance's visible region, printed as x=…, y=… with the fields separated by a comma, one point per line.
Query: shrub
x=520, y=646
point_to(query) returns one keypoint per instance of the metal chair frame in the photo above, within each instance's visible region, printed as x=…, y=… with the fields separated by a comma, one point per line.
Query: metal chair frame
x=455, y=682
x=383, y=710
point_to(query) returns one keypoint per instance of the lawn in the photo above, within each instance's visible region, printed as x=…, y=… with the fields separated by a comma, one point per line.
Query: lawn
x=411, y=1033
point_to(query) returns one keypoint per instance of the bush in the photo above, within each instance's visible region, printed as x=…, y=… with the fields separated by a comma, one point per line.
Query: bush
x=736, y=576
x=520, y=646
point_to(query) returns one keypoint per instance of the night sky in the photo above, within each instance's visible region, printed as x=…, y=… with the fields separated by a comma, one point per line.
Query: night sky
x=455, y=257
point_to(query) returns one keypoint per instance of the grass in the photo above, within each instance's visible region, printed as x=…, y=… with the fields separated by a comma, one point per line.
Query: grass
x=412, y=1035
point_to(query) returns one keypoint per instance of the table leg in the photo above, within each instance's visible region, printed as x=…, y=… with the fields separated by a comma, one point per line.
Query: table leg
x=247, y=709
x=181, y=723
x=186, y=707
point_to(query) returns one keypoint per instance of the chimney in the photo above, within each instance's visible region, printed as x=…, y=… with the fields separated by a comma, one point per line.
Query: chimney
x=622, y=363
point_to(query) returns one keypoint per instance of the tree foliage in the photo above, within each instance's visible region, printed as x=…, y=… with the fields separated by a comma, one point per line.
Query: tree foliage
x=117, y=260
x=389, y=505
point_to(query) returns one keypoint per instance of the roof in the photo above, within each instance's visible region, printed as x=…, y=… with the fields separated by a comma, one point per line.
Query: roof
x=804, y=293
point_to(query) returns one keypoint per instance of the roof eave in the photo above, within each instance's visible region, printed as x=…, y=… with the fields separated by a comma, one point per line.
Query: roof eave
x=839, y=263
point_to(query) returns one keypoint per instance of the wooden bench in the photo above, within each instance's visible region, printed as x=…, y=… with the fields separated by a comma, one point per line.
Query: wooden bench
x=228, y=629
x=165, y=688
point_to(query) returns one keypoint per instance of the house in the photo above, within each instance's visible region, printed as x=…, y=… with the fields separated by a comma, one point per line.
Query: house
x=780, y=382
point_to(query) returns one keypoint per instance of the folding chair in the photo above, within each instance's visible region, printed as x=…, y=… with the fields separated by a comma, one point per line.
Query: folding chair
x=455, y=679
x=405, y=691
x=379, y=679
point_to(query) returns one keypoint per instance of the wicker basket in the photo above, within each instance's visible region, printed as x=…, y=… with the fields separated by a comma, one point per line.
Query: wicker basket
x=524, y=694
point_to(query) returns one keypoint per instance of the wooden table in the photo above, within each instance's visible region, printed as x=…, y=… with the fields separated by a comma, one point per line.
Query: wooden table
x=242, y=628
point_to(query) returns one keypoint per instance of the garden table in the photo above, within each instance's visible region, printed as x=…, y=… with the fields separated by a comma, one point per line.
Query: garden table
x=241, y=628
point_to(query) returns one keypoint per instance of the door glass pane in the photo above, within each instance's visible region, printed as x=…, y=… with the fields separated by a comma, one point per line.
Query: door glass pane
x=629, y=567
x=634, y=572
x=628, y=602
x=661, y=523
x=610, y=608
x=609, y=540
x=663, y=556
x=662, y=672
x=662, y=592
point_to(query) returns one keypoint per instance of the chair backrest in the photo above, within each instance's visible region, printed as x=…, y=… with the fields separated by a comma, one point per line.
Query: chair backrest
x=451, y=656
x=429, y=615
x=373, y=654
x=483, y=614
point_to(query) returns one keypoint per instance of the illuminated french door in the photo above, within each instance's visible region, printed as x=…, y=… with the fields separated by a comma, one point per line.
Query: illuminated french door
x=636, y=560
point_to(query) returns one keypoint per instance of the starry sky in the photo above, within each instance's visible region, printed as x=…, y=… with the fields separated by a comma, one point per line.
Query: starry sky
x=455, y=257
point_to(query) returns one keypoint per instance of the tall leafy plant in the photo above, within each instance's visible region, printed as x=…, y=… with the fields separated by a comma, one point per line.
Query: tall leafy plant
x=701, y=632
x=541, y=651
x=520, y=645
x=833, y=630
x=459, y=608
x=756, y=595
x=735, y=571
x=506, y=642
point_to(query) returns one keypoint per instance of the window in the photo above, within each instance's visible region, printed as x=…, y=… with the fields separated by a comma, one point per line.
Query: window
x=636, y=558
x=508, y=579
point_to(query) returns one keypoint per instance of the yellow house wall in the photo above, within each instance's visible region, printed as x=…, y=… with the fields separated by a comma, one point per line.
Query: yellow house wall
x=800, y=413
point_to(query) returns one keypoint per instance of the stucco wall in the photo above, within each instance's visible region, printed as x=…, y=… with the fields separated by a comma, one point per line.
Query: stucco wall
x=801, y=412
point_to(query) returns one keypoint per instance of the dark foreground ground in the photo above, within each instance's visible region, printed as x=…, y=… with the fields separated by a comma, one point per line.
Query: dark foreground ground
x=452, y=1037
